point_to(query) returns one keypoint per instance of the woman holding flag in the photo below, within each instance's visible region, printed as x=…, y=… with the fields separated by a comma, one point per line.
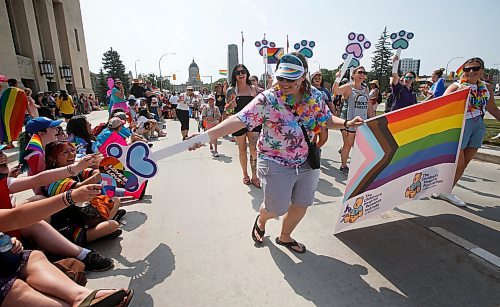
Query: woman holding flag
x=291, y=113
x=481, y=99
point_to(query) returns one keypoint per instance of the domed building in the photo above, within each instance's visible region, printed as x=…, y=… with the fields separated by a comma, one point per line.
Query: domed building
x=193, y=80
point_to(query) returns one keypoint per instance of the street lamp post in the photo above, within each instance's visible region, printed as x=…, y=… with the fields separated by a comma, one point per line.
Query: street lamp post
x=135, y=65
x=211, y=85
x=446, y=71
x=159, y=63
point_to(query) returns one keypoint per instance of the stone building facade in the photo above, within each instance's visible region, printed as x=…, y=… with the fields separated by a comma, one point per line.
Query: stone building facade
x=193, y=80
x=43, y=45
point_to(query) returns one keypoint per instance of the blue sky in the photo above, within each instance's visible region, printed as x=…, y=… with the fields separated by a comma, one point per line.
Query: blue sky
x=144, y=30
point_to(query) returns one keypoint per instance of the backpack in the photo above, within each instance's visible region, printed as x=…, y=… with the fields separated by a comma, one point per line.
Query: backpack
x=379, y=98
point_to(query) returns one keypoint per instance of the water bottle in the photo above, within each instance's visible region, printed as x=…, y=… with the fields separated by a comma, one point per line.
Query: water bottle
x=8, y=259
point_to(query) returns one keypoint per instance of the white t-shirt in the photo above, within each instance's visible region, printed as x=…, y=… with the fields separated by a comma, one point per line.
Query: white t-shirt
x=141, y=121
x=173, y=100
x=182, y=105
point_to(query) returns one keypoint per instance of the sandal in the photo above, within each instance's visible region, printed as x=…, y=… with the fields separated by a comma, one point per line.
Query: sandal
x=111, y=299
x=246, y=180
x=291, y=245
x=256, y=182
x=130, y=295
x=260, y=232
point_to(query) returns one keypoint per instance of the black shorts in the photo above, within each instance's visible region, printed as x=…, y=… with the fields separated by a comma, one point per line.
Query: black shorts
x=183, y=117
x=67, y=116
x=7, y=278
x=245, y=130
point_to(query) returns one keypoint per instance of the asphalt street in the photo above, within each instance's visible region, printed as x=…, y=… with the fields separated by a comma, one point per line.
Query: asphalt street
x=188, y=242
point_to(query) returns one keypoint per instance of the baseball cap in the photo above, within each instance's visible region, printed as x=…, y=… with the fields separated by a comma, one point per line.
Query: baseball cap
x=290, y=67
x=38, y=124
x=2, y=146
x=121, y=115
x=115, y=122
x=211, y=96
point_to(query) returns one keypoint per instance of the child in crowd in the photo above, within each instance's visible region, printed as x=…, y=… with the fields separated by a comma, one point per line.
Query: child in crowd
x=211, y=116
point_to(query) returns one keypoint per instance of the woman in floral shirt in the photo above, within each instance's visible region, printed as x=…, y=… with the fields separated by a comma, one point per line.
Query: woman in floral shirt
x=288, y=180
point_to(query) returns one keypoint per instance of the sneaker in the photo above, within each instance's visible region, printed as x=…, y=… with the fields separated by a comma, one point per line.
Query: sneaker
x=452, y=199
x=96, y=262
x=216, y=154
x=344, y=170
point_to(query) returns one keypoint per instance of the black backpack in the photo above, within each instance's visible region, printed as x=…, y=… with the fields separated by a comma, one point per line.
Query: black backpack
x=379, y=98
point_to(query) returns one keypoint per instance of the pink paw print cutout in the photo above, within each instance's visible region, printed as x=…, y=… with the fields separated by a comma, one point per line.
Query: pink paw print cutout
x=356, y=45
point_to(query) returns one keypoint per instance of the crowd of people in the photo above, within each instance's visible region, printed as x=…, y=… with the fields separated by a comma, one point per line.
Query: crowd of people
x=279, y=131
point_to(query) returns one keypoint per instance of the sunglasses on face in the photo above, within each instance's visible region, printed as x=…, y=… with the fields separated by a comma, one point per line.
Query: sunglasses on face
x=409, y=78
x=475, y=68
x=281, y=79
x=361, y=72
x=240, y=72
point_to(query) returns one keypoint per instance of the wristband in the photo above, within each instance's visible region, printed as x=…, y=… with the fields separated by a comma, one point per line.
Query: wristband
x=70, y=170
x=64, y=200
x=345, y=123
x=69, y=199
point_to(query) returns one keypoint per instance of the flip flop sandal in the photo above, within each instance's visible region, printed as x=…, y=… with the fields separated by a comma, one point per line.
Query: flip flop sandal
x=130, y=295
x=111, y=299
x=256, y=182
x=291, y=245
x=246, y=180
x=259, y=231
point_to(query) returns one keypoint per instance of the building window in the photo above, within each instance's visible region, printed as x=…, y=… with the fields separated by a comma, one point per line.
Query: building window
x=83, y=77
x=77, y=40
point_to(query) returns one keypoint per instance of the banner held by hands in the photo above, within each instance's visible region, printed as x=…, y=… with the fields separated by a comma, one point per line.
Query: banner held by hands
x=400, y=41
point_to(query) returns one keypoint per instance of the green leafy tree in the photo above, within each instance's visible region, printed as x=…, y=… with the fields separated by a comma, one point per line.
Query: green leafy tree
x=101, y=86
x=382, y=61
x=114, y=67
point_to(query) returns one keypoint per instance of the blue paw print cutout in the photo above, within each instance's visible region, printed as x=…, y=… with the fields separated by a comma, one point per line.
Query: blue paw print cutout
x=305, y=48
x=400, y=40
x=264, y=44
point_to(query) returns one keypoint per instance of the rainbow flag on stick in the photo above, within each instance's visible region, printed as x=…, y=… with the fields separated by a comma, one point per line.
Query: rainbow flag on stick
x=223, y=72
x=403, y=155
x=459, y=72
x=274, y=55
x=13, y=105
x=35, y=144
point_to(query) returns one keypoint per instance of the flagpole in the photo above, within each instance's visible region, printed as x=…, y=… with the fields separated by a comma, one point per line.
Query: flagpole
x=242, y=41
x=287, y=43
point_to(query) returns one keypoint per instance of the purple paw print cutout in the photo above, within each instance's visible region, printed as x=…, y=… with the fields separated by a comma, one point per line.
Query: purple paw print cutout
x=357, y=44
x=264, y=44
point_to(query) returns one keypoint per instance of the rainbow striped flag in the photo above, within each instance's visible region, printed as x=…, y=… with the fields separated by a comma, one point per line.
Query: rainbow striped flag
x=35, y=144
x=403, y=155
x=13, y=105
x=459, y=72
x=223, y=72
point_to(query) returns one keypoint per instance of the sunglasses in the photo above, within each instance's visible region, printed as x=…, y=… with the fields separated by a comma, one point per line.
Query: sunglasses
x=409, y=78
x=117, y=83
x=240, y=72
x=361, y=72
x=281, y=79
x=475, y=68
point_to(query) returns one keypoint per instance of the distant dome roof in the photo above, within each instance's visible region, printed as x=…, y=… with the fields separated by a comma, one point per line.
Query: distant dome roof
x=193, y=64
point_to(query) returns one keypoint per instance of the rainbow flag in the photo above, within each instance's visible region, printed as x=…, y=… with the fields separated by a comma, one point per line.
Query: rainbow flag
x=459, y=72
x=13, y=105
x=274, y=55
x=404, y=155
x=223, y=72
x=35, y=144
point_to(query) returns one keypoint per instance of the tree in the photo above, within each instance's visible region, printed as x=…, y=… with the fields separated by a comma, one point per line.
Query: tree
x=381, y=61
x=101, y=86
x=114, y=67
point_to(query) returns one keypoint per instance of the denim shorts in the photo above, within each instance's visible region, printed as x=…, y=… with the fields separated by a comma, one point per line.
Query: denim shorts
x=473, y=132
x=284, y=185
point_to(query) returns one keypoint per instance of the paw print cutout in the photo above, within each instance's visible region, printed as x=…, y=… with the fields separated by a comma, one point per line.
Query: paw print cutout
x=264, y=44
x=305, y=48
x=400, y=40
x=356, y=45
x=354, y=62
x=127, y=166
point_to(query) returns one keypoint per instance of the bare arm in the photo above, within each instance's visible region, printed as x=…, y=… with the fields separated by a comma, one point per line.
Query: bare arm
x=30, y=213
x=491, y=106
x=335, y=122
x=228, y=126
x=395, y=76
x=452, y=88
x=49, y=176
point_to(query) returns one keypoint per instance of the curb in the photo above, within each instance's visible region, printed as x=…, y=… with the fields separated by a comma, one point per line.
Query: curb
x=485, y=157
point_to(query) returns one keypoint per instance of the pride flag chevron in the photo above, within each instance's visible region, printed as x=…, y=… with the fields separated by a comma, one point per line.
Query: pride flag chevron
x=412, y=151
x=13, y=105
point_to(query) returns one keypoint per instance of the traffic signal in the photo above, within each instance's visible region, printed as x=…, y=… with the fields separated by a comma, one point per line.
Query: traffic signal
x=198, y=77
x=174, y=77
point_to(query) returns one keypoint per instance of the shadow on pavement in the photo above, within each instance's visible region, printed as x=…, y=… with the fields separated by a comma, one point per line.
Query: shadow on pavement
x=478, y=192
x=490, y=213
x=257, y=198
x=145, y=274
x=133, y=220
x=428, y=269
x=470, y=178
x=326, y=281
x=223, y=158
x=329, y=170
x=326, y=188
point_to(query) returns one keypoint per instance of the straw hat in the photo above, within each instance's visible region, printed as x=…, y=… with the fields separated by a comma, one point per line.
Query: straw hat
x=375, y=82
